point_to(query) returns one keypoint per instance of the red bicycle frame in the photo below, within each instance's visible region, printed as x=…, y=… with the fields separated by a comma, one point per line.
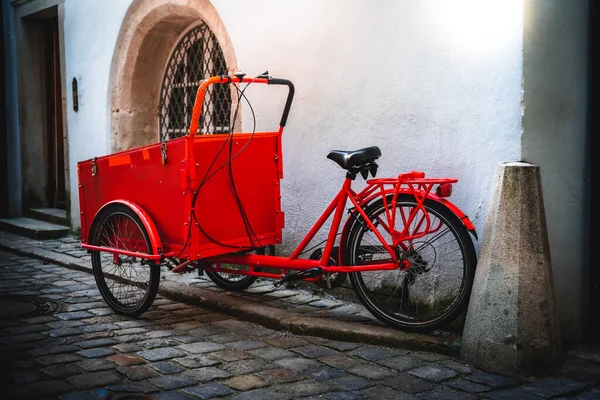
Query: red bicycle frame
x=412, y=183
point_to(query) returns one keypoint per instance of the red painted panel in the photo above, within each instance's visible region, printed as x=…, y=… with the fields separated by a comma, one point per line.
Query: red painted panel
x=138, y=175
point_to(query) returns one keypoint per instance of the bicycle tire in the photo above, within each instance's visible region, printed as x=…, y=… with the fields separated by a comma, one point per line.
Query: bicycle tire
x=126, y=284
x=421, y=298
x=233, y=282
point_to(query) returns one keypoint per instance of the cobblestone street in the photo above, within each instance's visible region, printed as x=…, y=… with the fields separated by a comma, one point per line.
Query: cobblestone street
x=58, y=339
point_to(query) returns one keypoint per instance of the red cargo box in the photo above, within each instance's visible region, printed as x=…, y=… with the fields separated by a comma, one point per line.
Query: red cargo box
x=194, y=188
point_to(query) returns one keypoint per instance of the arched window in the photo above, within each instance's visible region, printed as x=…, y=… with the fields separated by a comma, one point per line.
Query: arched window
x=197, y=56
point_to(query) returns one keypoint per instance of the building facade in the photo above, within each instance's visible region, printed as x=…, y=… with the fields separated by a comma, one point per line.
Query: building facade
x=452, y=88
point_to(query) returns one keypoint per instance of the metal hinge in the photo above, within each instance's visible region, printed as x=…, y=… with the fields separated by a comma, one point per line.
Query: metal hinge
x=163, y=152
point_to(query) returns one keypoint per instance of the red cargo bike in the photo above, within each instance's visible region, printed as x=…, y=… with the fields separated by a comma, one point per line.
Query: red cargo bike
x=212, y=203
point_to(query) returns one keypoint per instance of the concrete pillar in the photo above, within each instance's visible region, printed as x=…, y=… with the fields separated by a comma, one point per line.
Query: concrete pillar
x=512, y=325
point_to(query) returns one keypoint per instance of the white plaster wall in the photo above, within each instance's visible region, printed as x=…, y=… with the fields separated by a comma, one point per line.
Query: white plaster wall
x=436, y=84
x=91, y=28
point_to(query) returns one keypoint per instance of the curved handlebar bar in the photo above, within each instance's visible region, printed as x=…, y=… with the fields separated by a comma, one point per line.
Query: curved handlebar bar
x=227, y=80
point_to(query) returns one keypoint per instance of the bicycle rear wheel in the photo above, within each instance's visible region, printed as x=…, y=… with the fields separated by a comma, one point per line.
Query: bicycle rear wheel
x=127, y=284
x=436, y=287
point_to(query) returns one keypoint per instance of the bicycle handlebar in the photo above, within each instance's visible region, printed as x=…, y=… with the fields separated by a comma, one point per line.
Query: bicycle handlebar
x=288, y=101
x=225, y=79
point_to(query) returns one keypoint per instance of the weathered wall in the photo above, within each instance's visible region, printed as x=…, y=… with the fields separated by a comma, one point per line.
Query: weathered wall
x=90, y=31
x=555, y=133
x=410, y=77
x=436, y=85
x=151, y=30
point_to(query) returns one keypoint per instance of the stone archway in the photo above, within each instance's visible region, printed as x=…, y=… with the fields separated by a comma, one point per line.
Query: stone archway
x=149, y=32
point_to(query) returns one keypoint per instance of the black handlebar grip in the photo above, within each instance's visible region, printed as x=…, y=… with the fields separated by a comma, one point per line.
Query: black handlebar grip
x=290, y=97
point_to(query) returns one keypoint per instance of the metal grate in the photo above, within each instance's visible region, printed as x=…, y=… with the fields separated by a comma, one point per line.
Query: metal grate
x=21, y=307
x=196, y=57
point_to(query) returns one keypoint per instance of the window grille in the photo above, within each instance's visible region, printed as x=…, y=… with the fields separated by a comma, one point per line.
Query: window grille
x=196, y=57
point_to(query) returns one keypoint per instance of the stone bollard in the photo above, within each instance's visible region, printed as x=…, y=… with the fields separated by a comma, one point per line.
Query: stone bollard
x=512, y=325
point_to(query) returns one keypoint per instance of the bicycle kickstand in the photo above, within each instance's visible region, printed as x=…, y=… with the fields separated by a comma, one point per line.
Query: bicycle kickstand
x=298, y=276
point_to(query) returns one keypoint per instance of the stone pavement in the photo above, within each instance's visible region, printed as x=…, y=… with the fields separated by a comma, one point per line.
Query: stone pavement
x=305, y=309
x=59, y=340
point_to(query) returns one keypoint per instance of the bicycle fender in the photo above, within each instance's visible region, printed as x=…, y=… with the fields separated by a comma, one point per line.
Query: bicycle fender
x=459, y=214
x=149, y=225
x=432, y=196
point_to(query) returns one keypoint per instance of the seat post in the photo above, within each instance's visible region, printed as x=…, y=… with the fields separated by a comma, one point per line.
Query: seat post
x=351, y=174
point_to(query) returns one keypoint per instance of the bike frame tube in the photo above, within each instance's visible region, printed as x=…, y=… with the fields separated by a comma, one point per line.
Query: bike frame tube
x=367, y=220
x=300, y=264
x=112, y=250
x=316, y=227
x=337, y=219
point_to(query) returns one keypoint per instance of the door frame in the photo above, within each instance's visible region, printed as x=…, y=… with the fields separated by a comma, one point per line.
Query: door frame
x=28, y=20
x=55, y=160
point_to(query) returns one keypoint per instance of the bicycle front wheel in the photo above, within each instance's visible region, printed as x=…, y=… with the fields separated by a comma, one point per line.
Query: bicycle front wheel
x=435, y=288
x=127, y=284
